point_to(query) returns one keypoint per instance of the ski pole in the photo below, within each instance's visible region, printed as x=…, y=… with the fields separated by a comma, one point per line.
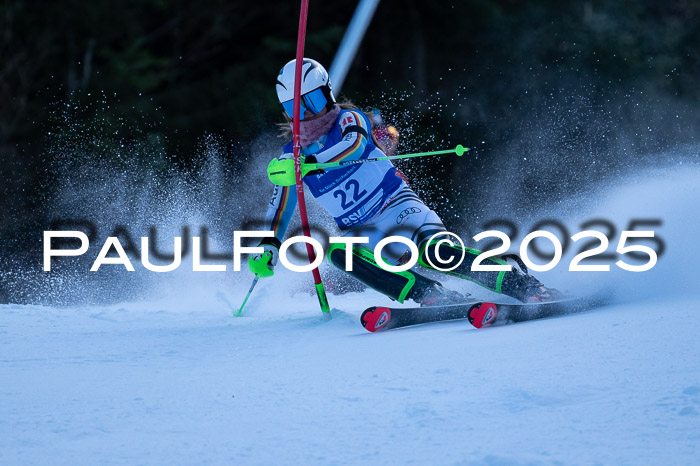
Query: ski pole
x=459, y=150
x=281, y=172
x=240, y=311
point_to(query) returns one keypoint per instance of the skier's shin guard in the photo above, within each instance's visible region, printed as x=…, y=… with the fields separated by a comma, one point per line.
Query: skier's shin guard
x=441, y=256
x=396, y=285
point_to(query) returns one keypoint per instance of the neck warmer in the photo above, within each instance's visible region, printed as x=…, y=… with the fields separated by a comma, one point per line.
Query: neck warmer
x=310, y=131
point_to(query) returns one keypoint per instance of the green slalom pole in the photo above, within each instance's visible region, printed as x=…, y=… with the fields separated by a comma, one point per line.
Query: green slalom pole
x=240, y=310
x=281, y=172
x=459, y=150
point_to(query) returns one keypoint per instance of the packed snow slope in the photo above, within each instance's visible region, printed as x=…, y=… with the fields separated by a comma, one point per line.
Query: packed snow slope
x=179, y=381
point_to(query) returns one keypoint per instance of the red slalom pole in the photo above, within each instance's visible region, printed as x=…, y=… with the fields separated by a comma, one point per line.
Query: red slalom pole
x=296, y=142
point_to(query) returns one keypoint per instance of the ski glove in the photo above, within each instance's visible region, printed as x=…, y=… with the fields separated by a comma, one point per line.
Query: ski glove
x=263, y=264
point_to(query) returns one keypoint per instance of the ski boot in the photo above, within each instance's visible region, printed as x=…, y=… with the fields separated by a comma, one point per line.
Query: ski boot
x=521, y=285
x=438, y=295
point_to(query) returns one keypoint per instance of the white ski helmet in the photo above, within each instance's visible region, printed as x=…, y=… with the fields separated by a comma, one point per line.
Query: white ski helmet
x=316, y=92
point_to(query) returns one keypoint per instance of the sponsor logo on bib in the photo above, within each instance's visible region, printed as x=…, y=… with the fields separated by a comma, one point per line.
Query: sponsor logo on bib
x=403, y=216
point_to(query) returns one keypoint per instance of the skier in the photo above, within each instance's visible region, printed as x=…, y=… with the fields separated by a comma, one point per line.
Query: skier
x=370, y=200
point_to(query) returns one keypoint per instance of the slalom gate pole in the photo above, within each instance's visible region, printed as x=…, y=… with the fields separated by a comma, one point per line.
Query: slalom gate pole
x=296, y=141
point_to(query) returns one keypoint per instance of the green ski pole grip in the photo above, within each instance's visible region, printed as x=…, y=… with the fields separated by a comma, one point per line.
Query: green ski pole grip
x=281, y=172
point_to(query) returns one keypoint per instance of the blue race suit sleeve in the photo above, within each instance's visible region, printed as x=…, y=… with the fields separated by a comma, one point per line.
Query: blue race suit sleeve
x=355, y=132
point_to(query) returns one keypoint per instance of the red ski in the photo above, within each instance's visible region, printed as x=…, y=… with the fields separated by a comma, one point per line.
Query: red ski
x=479, y=314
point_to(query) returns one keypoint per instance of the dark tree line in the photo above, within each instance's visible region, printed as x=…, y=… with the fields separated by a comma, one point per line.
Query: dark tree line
x=463, y=70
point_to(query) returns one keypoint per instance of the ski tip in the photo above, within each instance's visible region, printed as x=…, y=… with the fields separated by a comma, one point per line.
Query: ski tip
x=375, y=318
x=482, y=314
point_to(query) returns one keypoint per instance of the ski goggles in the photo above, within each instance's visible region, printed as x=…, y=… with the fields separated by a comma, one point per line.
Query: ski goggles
x=313, y=101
